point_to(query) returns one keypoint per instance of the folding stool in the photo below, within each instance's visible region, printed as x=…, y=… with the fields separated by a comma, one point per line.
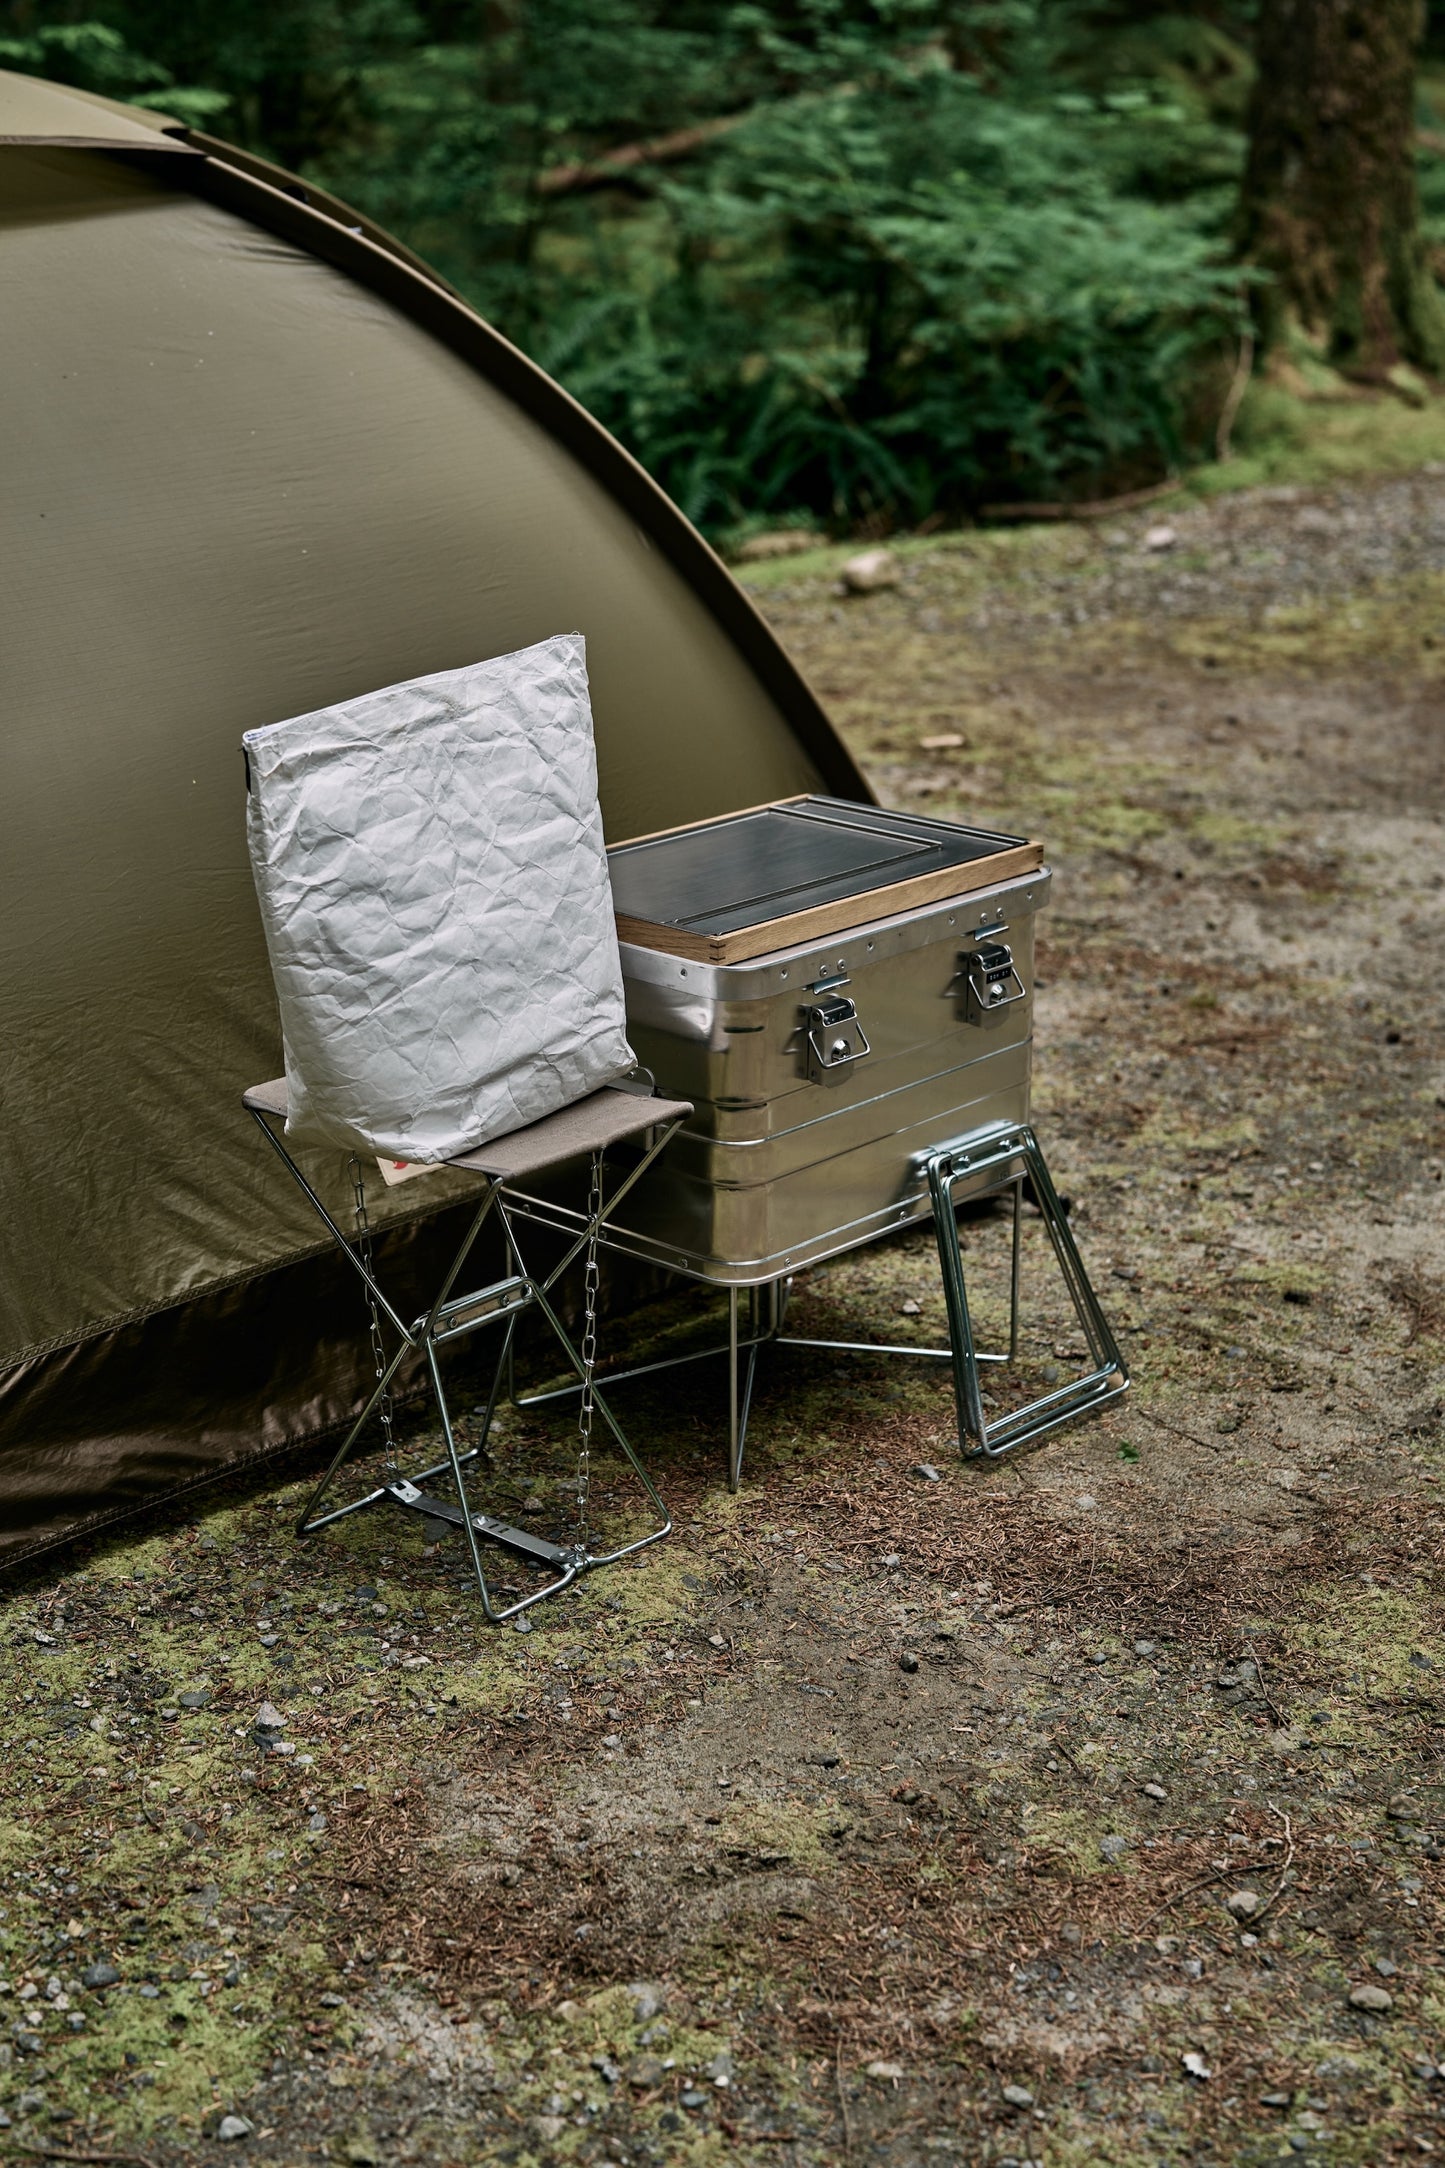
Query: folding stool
x=588, y=1129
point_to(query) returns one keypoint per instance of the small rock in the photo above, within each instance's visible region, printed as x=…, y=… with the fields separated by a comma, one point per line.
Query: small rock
x=645, y=2071
x=99, y=1974
x=1018, y=2096
x=1402, y=1808
x=716, y=1641
x=316, y=1823
x=1370, y=1997
x=1386, y=1967
x=234, y=2126
x=1160, y=538
x=910, y=1308
x=522, y=1625
x=332, y=2001
x=196, y=1700
x=612, y=1741
x=927, y=1471
x=606, y=2069
x=361, y=2151
x=781, y=542
x=549, y=2128
x=648, y=1998
x=871, y=570
x=1155, y=1791
x=1113, y=1848
x=1086, y=1504
x=692, y=2098
x=1275, y=2100
x=1143, y=1648
x=908, y=1661
x=1243, y=1903
x=945, y=741
x=886, y=2073
x=269, y=1718
x=892, y=1560
x=1195, y=2066
x=1421, y=1661
x=150, y=1991
x=1227, y=1422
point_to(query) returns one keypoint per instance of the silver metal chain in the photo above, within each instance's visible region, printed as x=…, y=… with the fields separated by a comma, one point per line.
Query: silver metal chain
x=589, y=1350
x=378, y=1345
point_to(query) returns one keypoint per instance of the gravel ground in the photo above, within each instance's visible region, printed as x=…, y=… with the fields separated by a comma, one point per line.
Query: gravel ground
x=1085, y=1808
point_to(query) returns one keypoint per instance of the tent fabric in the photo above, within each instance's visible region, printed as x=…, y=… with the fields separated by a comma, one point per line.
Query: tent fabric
x=433, y=885
x=259, y=463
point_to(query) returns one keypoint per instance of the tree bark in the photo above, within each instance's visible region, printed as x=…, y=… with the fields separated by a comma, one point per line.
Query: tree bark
x=1329, y=205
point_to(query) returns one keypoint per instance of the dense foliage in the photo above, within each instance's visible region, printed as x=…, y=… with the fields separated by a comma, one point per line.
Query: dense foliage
x=890, y=258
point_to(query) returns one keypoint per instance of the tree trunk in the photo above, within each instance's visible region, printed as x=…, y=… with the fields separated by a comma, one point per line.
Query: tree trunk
x=1329, y=204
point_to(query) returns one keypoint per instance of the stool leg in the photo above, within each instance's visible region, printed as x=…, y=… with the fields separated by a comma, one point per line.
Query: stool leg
x=968, y=1397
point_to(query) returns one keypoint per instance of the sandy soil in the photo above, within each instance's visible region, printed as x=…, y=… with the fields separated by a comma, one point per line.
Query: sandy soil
x=1055, y=1811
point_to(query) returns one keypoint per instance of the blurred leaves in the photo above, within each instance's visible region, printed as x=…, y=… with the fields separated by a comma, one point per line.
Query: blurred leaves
x=866, y=260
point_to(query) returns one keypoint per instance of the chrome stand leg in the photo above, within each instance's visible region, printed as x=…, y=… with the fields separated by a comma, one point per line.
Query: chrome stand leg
x=1106, y=1381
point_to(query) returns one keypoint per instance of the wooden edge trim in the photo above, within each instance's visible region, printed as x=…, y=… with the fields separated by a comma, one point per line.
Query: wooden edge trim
x=842, y=916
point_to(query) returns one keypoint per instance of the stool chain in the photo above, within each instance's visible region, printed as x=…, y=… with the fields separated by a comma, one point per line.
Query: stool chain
x=589, y=1349
x=378, y=1346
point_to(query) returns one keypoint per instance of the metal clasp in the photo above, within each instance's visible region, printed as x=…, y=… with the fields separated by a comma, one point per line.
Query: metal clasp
x=991, y=981
x=836, y=1039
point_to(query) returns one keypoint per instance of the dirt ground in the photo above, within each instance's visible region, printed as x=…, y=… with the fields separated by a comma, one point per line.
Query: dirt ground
x=1085, y=1807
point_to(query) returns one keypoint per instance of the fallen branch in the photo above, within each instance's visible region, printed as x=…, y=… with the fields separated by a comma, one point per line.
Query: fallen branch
x=1098, y=508
x=41, y=2151
x=614, y=166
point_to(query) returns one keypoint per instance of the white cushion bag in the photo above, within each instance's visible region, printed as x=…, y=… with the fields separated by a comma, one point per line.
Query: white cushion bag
x=433, y=883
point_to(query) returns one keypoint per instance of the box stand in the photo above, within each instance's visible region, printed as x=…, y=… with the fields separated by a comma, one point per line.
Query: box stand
x=963, y=1170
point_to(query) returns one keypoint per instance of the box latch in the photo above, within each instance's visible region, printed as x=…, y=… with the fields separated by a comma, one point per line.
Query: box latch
x=991, y=981
x=836, y=1039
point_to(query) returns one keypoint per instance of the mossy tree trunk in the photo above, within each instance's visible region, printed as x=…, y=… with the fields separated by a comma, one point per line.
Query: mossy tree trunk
x=1329, y=205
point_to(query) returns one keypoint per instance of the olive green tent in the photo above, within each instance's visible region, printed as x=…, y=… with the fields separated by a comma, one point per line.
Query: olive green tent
x=257, y=458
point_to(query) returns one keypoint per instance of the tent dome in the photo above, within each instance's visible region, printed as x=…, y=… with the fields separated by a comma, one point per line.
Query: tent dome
x=259, y=459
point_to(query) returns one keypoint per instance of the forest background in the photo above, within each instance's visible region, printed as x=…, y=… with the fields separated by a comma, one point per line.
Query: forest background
x=861, y=264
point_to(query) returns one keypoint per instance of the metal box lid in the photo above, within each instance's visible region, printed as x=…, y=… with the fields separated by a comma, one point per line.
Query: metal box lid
x=754, y=882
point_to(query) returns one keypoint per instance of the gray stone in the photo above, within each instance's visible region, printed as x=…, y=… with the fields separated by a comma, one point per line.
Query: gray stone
x=692, y=2098
x=1371, y=1998
x=645, y=2072
x=233, y=2126
x=1155, y=1791
x=316, y=1824
x=606, y=2069
x=149, y=1989
x=332, y=2001
x=871, y=570
x=1113, y=1848
x=1018, y=2096
x=1243, y=1903
x=908, y=1661
x=100, y=1974
x=648, y=1999
x=1386, y=1967
x=196, y=1700
x=522, y=1625
x=892, y=1560
x=1143, y=1648
x=269, y=1718
x=928, y=1472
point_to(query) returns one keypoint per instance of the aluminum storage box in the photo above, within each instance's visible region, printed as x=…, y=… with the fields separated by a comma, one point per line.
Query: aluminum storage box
x=821, y=1071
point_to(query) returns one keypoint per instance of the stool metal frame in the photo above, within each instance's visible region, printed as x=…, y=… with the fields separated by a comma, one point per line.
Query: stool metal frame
x=500, y=1303
x=961, y=1170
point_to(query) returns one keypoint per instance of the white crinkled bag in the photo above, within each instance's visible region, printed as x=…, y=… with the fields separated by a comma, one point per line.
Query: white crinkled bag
x=433, y=883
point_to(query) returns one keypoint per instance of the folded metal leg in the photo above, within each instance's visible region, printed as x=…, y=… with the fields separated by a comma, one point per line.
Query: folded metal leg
x=1013, y=1155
